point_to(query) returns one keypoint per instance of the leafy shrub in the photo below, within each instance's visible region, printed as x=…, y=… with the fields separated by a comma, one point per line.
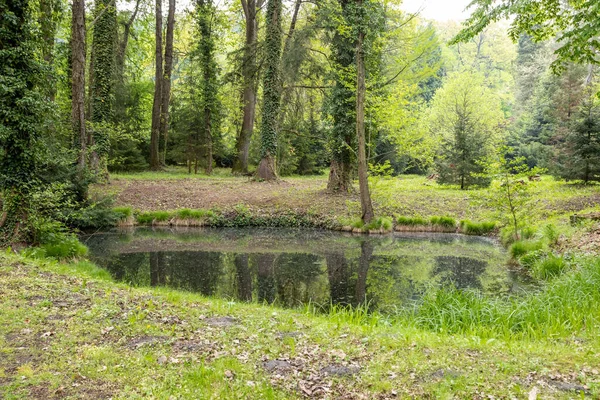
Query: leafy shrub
x=68, y=248
x=446, y=222
x=551, y=233
x=477, y=228
x=378, y=223
x=411, y=221
x=549, y=267
x=522, y=247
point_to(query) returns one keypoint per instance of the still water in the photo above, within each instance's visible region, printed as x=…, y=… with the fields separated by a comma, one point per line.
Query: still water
x=294, y=267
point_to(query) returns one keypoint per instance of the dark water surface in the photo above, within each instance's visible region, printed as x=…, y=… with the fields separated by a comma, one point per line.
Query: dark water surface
x=293, y=267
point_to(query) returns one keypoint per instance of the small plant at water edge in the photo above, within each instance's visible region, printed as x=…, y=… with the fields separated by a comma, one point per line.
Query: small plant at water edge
x=445, y=222
x=477, y=228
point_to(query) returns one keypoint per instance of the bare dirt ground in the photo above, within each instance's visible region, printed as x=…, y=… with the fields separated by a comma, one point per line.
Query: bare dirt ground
x=224, y=193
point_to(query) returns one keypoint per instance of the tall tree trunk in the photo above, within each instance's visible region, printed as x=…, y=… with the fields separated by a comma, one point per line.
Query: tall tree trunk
x=157, y=105
x=78, y=82
x=272, y=90
x=166, y=89
x=104, y=41
x=48, y=25
x=249, y=73
x=365, y=195
x=120, y=65
x=342, y=138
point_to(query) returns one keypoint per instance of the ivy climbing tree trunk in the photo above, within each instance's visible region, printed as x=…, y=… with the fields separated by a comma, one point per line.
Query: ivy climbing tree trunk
x=50, y=11
x=342, y=108
x=249, y=73
x=365, y=195
x=272, y=90
x=104, y=42
x=78, y=50
x=157, y=104
x=166, y=81
x=20, y=113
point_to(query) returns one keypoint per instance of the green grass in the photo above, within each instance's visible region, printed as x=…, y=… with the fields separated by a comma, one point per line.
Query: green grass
x=477, y=228
x=445, y=222
x=522, y=247
x=453, y=344
x=411, y=221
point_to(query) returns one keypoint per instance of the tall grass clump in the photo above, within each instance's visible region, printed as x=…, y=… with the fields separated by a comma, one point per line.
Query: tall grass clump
x=565, y=306
x=153, y=216
x=549, y=267
x=444, y=222
x=186, y=213
x=380, y=223
x=477, y=228
x=522, y=247
x=411, y=221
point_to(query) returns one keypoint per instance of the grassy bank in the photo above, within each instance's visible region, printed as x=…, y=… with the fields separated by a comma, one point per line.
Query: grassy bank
x=67, y=331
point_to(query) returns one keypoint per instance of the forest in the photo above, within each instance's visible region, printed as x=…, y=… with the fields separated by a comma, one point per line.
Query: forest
x=358, y=179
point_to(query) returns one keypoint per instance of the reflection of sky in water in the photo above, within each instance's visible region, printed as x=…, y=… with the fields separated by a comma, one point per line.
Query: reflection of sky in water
x=294, y=267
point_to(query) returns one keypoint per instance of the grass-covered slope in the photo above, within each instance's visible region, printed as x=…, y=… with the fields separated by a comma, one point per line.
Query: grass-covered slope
x=67, y=331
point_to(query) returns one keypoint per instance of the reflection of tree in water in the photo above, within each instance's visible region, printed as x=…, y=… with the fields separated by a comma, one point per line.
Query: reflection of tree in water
x=128, y=267
x=194, y=271
x=339, y=274
x=388, y=287
x=294, y=273
x=244, y=277
x=266, y=277
x=462, y=272
x=366, y=252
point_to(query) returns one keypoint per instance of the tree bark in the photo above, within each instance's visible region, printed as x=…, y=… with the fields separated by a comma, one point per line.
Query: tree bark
x=249, y=73
x=166, y=89
x=78, y=82
x=271, y=99
x=365, y=195
x=120, y=64
x=157, y=104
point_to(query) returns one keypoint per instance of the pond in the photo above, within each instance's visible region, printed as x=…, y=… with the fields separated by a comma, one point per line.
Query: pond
x=294, y=267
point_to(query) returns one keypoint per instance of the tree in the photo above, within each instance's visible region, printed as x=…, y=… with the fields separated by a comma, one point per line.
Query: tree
x=102, y=101
x=158, y=86
x=249, y=73
x=361, y=91
x=210, y=85
x=580, y=154
x=78, y=56
x=166, y=80
x=272, y=92
x=575, y=22
x=20, y=111
x=465, y=116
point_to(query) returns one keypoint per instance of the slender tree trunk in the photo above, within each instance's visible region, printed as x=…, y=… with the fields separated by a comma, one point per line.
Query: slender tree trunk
x=365, y=195
x=78, y=82
x=157, y=105
x=166, y=89
x=249, y=73
x=366, y=251
x=48, y=24
x=120, y=65
x=208, y=140
x=271, y=99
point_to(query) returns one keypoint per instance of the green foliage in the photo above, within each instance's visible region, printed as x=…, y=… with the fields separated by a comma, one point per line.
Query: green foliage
x=271, y=80
x=21, y=109
x=465, y=116
x=411, y=221
x=575, y=24
x=123, y=212
x=551, y=233
x=477, y=228
x=445, y=222
x=379, y=223
x=549, y=267
x=522, y=247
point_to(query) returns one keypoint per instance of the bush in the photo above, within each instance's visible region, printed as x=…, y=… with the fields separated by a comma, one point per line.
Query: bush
x=380, y=223
x=522, y=247
x=549, y=267
x=446, y=222
x=411, y=221
x=70, y=247
x=477, y=228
